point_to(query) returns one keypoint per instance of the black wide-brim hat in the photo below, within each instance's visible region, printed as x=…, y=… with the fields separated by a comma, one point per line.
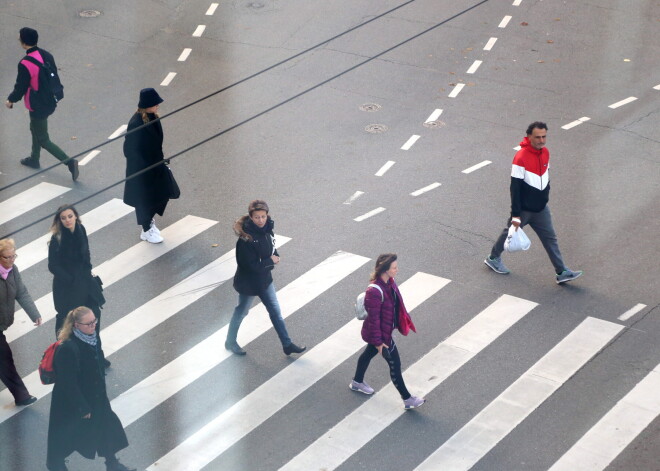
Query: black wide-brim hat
x=148, y=98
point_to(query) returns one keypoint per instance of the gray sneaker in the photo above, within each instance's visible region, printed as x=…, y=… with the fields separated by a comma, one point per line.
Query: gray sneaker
x=496, y=265
x=413, y=402
x=568, y=275
x=364, y=388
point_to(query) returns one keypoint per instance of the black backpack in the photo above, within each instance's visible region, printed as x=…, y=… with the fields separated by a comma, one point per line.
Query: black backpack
x=44, y=101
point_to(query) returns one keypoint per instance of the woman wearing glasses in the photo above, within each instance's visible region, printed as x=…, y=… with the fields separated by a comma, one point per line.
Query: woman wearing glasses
x=256, y=256
x=81, y=418
x=12, y=289
x=70, y=263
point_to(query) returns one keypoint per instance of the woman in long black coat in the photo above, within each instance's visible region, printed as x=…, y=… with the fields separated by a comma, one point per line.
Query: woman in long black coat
x=149, y=192
x=81, y=418
x=70, y=263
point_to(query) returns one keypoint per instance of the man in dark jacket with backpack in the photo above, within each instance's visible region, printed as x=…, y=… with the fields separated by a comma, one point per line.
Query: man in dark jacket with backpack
x=27, y=86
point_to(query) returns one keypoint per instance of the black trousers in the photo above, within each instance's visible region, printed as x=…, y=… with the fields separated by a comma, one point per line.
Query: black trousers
x=391, y=355
x=8, y=374
x=145, y=213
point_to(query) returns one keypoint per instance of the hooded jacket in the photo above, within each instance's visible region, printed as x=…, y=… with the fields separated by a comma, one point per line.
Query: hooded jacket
x=254, y=247
x=530, y=179
x=380, y=322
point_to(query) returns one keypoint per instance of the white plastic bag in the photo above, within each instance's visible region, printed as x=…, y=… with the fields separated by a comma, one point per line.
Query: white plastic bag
x=517, y=240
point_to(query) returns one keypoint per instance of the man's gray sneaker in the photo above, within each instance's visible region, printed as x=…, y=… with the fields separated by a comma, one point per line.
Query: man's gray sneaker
x=364, y=388
x=568, y=275
x=496, y=265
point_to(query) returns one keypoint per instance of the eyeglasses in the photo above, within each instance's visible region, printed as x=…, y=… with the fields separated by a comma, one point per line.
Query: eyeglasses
x=9, y=257
x=88, y=324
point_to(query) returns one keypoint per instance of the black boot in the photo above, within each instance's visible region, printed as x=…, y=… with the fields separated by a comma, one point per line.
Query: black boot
x=293, y=348
x=113, y=464
x=73, y=168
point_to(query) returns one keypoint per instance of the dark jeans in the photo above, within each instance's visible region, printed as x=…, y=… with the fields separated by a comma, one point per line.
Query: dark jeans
x=394, y=362
x=541, y=222
x=8, y=374
x=269, y=298
x=40, y=138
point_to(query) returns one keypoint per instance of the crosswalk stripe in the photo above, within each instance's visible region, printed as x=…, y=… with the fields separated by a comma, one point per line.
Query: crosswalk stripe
x=120, y=266
x=164, y=383
x=146, y=317
x=382, y=409
x=617, y=429
x=467, y=446
x=29, y=199
x=233, y=424
x=94, y=220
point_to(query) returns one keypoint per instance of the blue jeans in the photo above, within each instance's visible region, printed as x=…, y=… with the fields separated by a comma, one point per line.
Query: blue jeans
x=269, y=298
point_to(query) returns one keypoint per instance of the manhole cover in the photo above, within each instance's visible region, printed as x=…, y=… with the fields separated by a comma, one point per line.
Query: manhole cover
x=370, y=107
x=376, y=128
x=89, y=13
x=434, y=124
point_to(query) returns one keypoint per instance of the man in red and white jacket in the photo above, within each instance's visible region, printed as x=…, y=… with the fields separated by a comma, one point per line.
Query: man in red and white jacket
x=530, y=190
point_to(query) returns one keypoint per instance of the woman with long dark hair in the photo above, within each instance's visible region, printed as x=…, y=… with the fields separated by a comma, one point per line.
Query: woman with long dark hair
x=70, y=263
x=81, y=418
x=385, y=308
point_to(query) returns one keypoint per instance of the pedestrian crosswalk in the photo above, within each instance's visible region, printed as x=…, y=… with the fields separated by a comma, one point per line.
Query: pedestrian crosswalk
x=316, y=283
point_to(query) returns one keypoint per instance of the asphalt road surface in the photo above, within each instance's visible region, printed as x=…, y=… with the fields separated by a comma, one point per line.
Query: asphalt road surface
x=396, y=136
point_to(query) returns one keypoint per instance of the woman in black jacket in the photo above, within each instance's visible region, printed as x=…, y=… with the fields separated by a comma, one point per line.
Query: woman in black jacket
x=70, y=263
x=256, y=256
x=149, y=192
x=81, y=418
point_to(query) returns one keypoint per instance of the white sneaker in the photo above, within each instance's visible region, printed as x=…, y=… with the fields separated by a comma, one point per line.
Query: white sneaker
x=153, y=226
x=151, y=236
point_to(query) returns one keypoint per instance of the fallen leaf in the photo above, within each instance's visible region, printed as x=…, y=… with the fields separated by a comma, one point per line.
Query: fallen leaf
x=557, y=60
x=540, y=62
x=468, y=48
x=557, y=19
x=214, y=245
x=524, y=23
x=452, y=84
x=626, y=60
x=73, y=138
x=471, y=84
x=550, y=41
x=452, y=73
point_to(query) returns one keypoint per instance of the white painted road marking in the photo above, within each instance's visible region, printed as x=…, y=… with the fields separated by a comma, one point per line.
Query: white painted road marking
x=28, y=200
x=409, y=143
x=96, y=219
x=617, y=429
x=473, y=68
x=211, y=9
x=457, y=89
x=184, y=54
x=191, y=365
x=166, y=81
x=120, y=266
x=430, y=187
x=504, y=22
x=631, y=312
x=88, y=158
x=385, y=168
x=467, y=446
x=434, y=116
x=205, y=445
x=120, y=130
x=657, y=87
x=577, y=122
x=489, y=45
x=353, y=197
x=477, y=167
x=382, y=409
x=622, y=102
x=199, y=31
x=516, y=3
x=373, y=212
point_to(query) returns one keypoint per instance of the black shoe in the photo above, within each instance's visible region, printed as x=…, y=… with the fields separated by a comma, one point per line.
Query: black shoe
x=27, y=402
x=106, y=363
x=73, y=168
x=293, y=348
x=30, y=162
x=57, y=467
x=117, y=466
x=234, y=348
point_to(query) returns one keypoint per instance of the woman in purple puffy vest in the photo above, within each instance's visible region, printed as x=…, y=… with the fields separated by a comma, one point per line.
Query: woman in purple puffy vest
x=382, y=318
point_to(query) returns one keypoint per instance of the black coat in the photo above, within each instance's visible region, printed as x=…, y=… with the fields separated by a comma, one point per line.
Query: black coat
x=69, y=262
x=253, y=273
x=142, y=149
x=80, y=390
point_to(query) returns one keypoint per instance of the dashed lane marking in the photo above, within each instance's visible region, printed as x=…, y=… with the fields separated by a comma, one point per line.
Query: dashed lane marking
x=489, y=45
x=166, y=81
x=430, y=187
x=409, y=143
x=199, y=31
x=505, y=21
x=120, y=130
x=457, y=89
x=211, y=9
x=577, y=122
x=88, y=158
x=516, y=3
x=477, y=167
x=631, y=312
x=473, y=68
x=623, y=102
x=434, y=116
x=353, y=197
x=657, y=87
x=184, y=54
x=373, y=212
x=385, y=168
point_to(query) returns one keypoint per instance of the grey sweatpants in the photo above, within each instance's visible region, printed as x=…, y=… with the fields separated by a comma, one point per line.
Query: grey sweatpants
x=541, y=222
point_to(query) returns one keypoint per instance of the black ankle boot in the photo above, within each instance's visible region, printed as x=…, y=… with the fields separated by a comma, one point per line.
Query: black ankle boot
x=293, y=348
